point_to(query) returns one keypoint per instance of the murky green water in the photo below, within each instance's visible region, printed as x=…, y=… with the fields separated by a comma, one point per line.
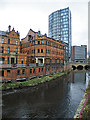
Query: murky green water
x=56, y=99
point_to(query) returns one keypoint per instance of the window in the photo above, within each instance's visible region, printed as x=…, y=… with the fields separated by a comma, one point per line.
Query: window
x=39, y=70
x=16, y=60
x=30, y=71
x=38, y=42
x=41, y=50
x=8, y=49
x=18, y=72
x=2, y=73
x=34, y=51
x=46, y=69
x=8, y=60
x=23, y=71
x=42, y=42
x=30, y=38
x=1, y=49
x=2, y=40
x=3, y=59
x=16, y=42
x=38, y=50
x=16, y=50
x=8, y=41
x=46, y=42
x=34, y=70
x=8, y=73
x=42, y=69
x=46, y=50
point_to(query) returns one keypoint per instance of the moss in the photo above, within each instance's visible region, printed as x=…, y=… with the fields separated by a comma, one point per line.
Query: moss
x=32, y=82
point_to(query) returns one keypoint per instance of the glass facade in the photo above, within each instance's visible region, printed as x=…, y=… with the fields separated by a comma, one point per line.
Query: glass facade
x=60, y=26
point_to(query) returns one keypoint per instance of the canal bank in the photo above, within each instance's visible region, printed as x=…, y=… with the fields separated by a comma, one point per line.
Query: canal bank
x=33, y=82
x=56, y=98
x=83, y=110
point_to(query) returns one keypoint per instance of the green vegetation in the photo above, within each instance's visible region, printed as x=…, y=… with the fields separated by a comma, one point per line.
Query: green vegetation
x=86, y=112
x=32, y=82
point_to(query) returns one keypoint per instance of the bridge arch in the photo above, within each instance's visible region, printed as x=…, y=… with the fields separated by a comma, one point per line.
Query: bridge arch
x=80, y=67
x=87, y=67
x=74, y=67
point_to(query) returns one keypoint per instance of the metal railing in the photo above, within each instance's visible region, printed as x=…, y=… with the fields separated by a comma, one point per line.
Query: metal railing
x=41, y=64
x=5, y=65
x=32, y=65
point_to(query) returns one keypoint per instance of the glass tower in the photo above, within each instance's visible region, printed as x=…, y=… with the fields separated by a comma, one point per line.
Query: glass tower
x=60, y=27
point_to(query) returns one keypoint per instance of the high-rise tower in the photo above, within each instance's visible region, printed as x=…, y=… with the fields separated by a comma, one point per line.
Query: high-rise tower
x=60, y=27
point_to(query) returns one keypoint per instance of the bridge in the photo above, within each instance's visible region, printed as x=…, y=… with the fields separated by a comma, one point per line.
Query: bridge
x=80, y=66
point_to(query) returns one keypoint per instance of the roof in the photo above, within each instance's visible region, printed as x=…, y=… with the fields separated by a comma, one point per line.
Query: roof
x=3, y=33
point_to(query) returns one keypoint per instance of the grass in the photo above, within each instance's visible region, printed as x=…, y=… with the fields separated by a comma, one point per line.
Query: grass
x=32, y=82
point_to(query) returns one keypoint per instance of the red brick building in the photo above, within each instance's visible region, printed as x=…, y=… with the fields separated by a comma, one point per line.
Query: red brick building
x=35, y=55
x=42, y=50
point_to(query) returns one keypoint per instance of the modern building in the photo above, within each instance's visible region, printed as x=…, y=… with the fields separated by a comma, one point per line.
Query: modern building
x=79, y=53
x=35, y=55
x=60, y=27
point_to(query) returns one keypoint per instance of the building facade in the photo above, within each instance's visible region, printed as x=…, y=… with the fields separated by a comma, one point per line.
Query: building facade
x=10, y=56
x=35, y=55
x=43, y=50
x=79, y=53
x=60, y=27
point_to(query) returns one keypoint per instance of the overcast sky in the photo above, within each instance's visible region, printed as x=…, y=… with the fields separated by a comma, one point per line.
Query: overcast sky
x=26, y=14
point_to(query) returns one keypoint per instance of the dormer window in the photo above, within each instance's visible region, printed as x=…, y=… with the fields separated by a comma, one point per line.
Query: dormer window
x=30, y=38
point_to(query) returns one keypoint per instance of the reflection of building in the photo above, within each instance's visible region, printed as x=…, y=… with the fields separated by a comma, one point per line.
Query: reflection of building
x=35, y=55
x=60, y=26
x=79, y=53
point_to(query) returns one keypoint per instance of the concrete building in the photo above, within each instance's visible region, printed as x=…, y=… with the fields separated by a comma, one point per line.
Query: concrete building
x=79, y=53
x=60, y=27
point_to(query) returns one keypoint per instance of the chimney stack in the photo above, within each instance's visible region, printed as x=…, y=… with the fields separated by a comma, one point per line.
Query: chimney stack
x=9, y=28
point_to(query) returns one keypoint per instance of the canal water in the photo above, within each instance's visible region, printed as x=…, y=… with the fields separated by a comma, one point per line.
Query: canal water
x=58, y=98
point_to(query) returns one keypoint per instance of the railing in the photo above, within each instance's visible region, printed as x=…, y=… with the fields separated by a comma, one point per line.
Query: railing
x=42, y=64
x=20, y=65
x=5, y=65
x=11, y=65
x=32, y=65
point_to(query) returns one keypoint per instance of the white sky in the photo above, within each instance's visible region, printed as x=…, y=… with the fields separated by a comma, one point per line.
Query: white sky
x=26, y=14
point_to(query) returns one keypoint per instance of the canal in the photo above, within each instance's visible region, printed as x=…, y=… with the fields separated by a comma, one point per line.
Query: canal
x=55, y=99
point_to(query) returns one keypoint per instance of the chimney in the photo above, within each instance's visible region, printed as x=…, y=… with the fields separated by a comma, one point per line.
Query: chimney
x=9, y=28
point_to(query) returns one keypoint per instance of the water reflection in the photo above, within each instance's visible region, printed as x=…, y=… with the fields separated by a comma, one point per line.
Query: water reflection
x=56, y=99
